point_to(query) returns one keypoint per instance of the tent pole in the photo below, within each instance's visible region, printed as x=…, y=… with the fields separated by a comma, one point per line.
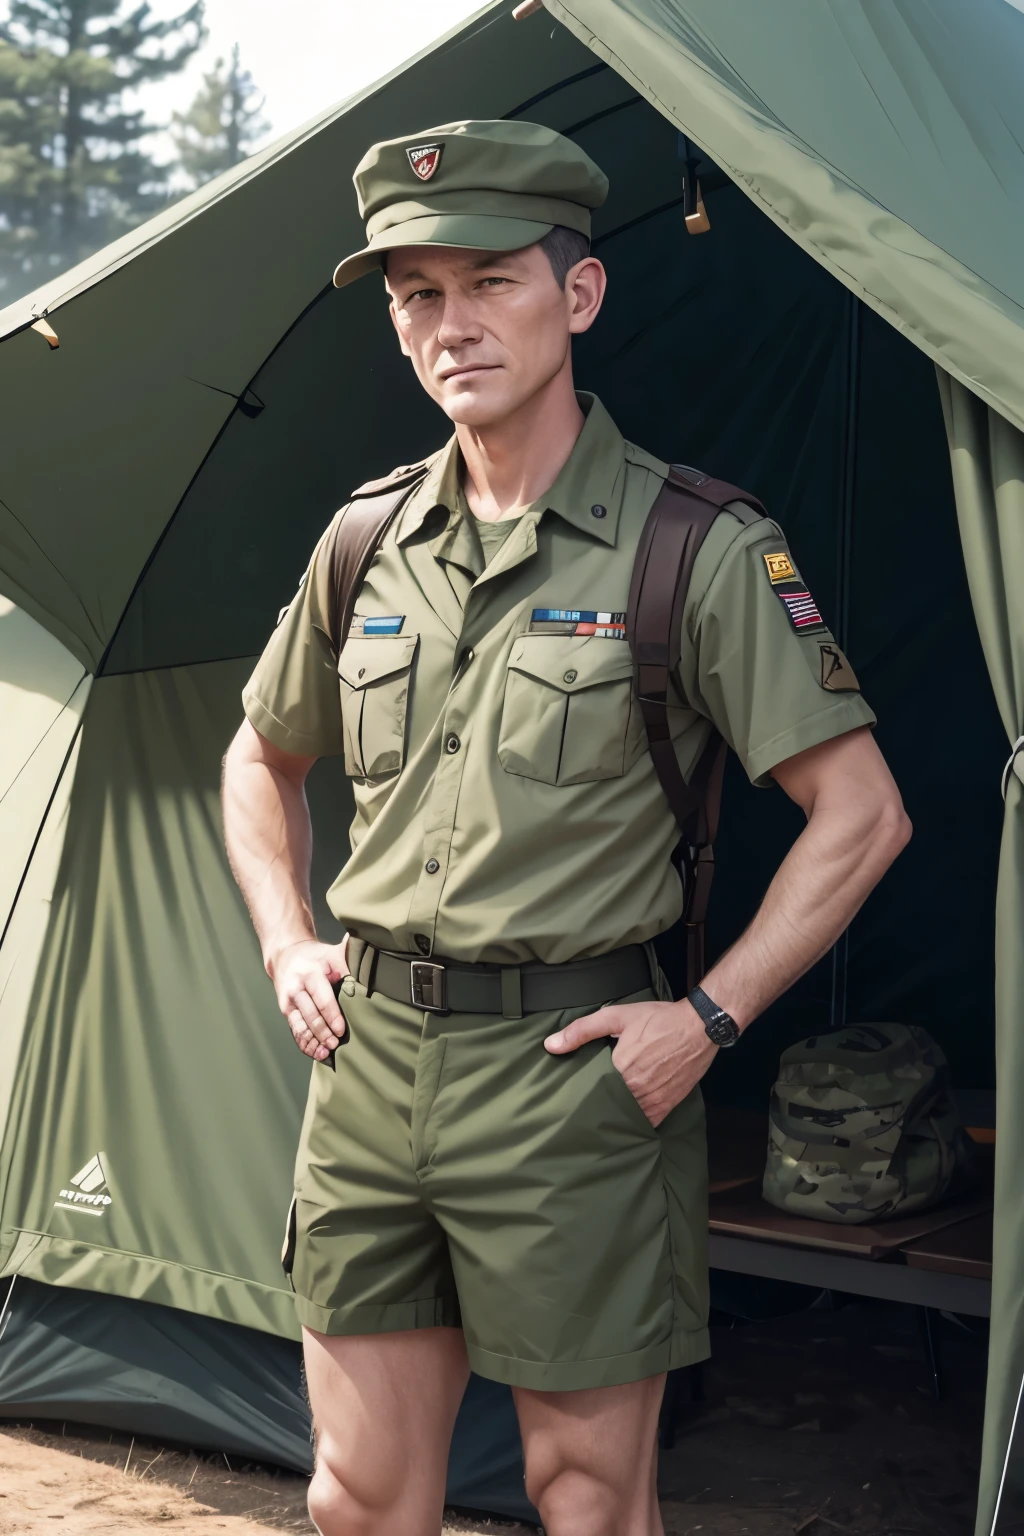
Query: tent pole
x=844, y=544
x=5, y=1313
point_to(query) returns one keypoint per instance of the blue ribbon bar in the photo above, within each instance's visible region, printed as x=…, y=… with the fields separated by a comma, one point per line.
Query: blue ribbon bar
x=387, y=626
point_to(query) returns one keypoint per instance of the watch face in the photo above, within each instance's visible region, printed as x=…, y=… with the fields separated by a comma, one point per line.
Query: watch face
x=722, y=1030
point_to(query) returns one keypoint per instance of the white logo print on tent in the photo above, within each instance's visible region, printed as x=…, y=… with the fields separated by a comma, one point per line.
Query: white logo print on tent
x=88, y=1190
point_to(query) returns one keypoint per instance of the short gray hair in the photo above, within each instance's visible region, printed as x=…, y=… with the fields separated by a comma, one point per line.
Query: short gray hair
x=563, y=248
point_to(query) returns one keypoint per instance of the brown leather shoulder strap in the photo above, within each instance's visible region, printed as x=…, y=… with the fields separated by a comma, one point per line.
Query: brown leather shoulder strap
x=358, y=533
x=676, y=527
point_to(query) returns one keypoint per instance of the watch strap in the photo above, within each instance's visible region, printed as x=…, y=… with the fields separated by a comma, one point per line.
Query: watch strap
x=720, y=1027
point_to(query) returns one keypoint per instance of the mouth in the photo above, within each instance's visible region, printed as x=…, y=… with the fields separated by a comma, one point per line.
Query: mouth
x=468, y=371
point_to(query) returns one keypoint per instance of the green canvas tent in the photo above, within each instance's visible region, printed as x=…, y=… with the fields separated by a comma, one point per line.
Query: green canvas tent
x=167, y=469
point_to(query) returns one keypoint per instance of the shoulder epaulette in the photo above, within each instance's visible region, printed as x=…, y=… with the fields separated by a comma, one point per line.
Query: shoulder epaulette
x=403, y=475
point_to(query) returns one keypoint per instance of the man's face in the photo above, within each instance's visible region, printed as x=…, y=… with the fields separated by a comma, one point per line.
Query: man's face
x=486, y=331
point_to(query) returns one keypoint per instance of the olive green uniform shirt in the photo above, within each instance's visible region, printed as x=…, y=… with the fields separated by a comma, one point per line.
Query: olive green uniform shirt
x=507, y=808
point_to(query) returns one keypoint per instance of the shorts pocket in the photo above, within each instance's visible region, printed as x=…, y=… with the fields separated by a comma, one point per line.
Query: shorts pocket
x=621, y=1090
x=569, y=716
x=288, y=1247
x=374, y=675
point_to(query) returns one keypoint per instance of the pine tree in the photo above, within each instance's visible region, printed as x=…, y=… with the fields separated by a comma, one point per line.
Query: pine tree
x=73, y=174
x=222, y=124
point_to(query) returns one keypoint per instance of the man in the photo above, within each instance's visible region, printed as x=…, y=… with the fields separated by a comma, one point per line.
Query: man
x=491, y=1186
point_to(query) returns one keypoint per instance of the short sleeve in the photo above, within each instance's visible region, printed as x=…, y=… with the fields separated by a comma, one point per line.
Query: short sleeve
x=757, y=656
x=293, y=696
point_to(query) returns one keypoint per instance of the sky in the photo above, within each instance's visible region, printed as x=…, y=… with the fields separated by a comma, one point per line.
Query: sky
x=321, y=53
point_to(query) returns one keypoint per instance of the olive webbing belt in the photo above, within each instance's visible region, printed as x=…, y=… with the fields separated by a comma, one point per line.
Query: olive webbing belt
x=446, y=986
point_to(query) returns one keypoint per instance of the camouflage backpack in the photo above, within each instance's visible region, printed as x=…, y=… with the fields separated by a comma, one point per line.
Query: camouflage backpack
x=863, y=1126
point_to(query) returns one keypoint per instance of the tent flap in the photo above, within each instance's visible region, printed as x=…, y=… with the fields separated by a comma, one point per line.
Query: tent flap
x=988, y=478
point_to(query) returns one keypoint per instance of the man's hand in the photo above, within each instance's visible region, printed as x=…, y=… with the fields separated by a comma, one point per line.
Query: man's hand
x=856, y=825
x=662, y=1052
x=269, y=843
x=303, y=974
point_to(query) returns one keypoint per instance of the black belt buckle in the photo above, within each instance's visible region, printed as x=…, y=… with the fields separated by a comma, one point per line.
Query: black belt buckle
x=428, y=983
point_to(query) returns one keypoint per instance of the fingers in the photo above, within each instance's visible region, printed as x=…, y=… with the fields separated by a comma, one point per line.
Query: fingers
x=594, y=1026
x=304, y=1038
x=306, y=997
x=318, y=1038
x=319, y=989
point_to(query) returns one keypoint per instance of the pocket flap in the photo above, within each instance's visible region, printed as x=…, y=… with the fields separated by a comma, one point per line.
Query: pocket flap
x=368, y=659
x=571, y=662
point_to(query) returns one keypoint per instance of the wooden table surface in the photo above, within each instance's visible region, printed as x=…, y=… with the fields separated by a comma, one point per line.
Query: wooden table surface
x=965, y=1249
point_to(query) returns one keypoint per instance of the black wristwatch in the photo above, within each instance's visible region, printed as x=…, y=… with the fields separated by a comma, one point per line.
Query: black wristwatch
x=720, y=1027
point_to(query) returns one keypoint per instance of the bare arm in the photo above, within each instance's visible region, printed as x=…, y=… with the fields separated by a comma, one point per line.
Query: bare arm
x=269, y=842
x=856, y=826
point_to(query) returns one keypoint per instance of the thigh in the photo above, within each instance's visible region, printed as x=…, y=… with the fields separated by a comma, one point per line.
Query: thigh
x=383, y=1410
x=591, y=1457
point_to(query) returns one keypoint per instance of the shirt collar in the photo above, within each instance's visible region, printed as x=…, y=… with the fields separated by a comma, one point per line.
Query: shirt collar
x=439, y=488
x=592, y=476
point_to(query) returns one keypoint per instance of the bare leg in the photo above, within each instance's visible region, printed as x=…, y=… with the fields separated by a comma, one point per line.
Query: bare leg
x=383, y=1408
x=592, y=1458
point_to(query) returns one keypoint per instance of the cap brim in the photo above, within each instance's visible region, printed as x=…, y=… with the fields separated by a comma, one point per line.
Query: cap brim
x=466, y=231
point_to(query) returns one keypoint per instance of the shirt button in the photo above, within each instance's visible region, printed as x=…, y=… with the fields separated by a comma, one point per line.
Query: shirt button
x=570, y=676
x=422, y=943
x=432, y=866
x=361, y=672
x=598, y=511
x=453, y=743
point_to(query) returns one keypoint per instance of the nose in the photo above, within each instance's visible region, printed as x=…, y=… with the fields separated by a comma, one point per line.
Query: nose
x=459, y=324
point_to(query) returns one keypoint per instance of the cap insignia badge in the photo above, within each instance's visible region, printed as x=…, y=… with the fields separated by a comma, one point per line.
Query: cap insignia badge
x=425, y=159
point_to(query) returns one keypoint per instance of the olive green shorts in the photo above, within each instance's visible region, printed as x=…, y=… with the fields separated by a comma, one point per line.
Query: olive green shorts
x=453, y=1173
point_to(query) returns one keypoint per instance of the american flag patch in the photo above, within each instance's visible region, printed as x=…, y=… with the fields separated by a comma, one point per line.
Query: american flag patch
x=802, y=609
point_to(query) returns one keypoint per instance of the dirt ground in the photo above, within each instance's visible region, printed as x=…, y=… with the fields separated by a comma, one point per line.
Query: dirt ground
x=815, y=1423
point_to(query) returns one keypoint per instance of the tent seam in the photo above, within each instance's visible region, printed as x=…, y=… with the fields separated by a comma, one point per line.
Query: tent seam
x=52, y=725
x=42, y=821
x=148, y=1258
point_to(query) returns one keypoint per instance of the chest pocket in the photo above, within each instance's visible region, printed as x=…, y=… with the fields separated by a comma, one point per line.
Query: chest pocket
x=569, y=716
x=374, y=677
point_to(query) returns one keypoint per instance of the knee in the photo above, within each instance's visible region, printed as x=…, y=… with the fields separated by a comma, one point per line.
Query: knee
x=338, y=1510
x=573, y=1502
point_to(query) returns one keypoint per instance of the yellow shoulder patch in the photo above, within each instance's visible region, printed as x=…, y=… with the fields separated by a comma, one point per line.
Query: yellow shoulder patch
x=780, y=567
x=837, y=676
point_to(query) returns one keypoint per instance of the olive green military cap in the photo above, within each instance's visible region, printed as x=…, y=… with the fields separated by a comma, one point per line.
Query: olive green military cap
x=488, y=186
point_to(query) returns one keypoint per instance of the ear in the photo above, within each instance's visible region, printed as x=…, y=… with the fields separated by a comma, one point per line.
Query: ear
x=585, y=285
x=398, y=326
